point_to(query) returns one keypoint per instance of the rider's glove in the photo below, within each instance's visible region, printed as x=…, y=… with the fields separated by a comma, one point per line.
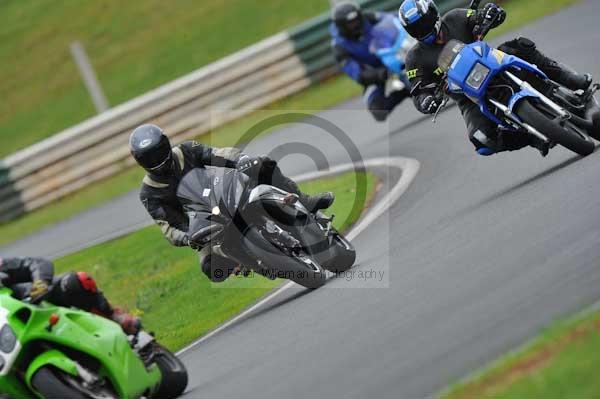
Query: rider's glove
x=430, y=104
x=490, y=12
x=39, y=289
x=187, y=242
x=257, y=168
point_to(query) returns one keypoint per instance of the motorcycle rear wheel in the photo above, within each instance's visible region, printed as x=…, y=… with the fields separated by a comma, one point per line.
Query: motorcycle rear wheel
x=569, y=135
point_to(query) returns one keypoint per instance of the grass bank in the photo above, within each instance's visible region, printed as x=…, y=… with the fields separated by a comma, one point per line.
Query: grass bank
x=134, y=47
x=145, y=274
x=561, y=363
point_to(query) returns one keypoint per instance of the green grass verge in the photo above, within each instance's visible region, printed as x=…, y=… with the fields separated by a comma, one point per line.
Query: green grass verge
x=560, y=364
x=145, y=274
x=315, y=98
x=134, y=47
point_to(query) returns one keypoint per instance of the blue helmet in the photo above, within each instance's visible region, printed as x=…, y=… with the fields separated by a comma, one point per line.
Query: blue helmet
x=420, y=19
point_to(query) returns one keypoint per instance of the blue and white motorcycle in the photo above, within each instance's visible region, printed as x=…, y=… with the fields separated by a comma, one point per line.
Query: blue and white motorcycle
x=519, y=97
x=391, y=44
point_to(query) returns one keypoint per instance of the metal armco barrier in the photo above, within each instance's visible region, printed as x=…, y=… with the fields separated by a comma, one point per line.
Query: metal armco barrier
x=97, y=148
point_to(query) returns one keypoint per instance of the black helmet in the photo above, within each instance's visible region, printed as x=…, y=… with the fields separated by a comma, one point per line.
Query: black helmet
x=348, y=18
x=151, y=148
x=421, y=19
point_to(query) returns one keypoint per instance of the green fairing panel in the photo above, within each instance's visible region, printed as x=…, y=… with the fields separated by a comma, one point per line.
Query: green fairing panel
x=94, y=335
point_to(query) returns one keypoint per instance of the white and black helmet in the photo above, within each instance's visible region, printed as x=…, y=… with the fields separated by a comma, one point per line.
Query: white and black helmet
x=421, y=19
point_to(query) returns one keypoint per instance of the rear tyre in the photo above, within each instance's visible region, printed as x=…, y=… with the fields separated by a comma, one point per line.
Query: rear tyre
x=46, y=381
x=569, y=135
x=174, y=374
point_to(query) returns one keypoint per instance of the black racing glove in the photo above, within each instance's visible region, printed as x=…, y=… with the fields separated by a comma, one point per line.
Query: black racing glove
x=490, y=16
x=257, y=168
x=191, y=244
x=430, y=104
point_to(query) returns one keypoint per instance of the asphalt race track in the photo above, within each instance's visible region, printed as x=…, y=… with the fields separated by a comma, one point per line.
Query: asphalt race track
x=480, y=254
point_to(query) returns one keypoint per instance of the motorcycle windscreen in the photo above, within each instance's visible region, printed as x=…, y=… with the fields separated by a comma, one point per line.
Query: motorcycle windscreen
x=386, y=35
x=213, y=190
x=449, y=54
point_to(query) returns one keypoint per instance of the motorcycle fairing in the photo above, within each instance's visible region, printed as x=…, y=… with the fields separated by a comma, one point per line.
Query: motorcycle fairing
x=496, y=62
x=204, y=189
x=83, y=332
x=392, y=44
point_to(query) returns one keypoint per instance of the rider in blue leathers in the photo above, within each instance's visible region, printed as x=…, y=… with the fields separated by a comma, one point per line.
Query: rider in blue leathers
x=353, y=32
x=422, y=20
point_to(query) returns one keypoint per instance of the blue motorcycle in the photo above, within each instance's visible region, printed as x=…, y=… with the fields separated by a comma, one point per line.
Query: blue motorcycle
x=391, y=45
x=519, y=97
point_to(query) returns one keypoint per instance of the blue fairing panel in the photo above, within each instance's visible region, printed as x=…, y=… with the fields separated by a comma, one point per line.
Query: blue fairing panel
x=494, y=60
x=519, y=96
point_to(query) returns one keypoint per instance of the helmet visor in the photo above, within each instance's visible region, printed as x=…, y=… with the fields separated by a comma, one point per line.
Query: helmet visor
x=353, y=25
x=156, y=155
x=424, y=26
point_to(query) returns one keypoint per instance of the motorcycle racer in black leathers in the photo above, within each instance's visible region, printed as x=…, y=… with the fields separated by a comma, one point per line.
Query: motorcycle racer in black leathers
x=34, y=278
x=166, y=166
x=421, y=20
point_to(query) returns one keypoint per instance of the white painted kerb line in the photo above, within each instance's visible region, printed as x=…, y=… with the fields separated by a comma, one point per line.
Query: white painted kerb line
x=409, y=168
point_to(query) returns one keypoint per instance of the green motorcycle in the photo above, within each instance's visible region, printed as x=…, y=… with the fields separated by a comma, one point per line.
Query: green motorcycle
x=52, y=352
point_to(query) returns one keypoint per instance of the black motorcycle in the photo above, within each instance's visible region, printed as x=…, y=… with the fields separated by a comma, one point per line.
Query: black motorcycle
x=261, y=227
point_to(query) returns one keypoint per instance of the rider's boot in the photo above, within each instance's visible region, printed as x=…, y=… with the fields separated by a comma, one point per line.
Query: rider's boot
x=564, y=76
x=311, y=202
x=526, y=49
x=130, y=324
x=317, y=202
x=543, y=146
x=509, y=141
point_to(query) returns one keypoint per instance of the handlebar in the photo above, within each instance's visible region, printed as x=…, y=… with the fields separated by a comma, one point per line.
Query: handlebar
x=486, y=27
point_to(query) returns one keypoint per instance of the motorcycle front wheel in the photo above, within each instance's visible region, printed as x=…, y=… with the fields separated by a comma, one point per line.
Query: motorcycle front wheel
x=544, y=121
x=174, y=374
x=344, y=255
x=51, y=384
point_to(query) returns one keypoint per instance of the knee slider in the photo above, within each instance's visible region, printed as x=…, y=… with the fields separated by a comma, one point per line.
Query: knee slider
x=217, y=269
x=520, y=47
x=485, y=151
x=380, y=115
x=525, y=44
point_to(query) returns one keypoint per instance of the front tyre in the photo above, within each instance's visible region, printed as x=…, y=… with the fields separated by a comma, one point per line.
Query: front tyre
x=307, y=272
x=344, y=255
x=174, y=374
x=544, y=121
x=49, y=383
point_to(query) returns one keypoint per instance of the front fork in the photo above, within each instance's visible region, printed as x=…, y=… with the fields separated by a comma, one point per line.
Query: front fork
x=529, y=91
